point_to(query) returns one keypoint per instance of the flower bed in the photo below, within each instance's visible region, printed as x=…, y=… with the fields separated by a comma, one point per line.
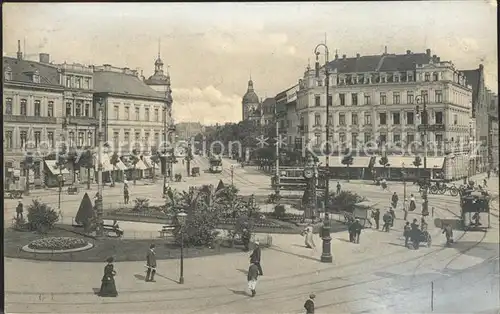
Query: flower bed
x=57, y=243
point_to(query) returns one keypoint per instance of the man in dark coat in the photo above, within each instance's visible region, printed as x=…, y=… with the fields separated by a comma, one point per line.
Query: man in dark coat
x=407, y=232
x=255, y=257
x=151, y=263
x=376, y=217
x=19, y=210
x=309, y=305
x=245, y=238
x=394, y=200
x=125, y=194
x=415, y=234
x=356, y=228
x=253, y=274
x=338, y=188
x=387, y=218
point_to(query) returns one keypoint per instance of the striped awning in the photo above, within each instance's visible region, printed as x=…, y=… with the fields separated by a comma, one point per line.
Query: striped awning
x=106, y=163
x=120, y=165
x=141, y=165
x=407, y=162
x=336, y=161
x=51, y=164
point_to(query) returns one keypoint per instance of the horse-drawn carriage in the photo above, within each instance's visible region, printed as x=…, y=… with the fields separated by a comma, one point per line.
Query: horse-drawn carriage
x=472, y=206
x=14, y=190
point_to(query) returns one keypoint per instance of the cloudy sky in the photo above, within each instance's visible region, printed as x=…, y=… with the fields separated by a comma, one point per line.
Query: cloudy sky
x=213, y=48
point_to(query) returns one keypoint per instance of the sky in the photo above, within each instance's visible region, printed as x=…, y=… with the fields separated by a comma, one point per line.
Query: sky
x=212, y=49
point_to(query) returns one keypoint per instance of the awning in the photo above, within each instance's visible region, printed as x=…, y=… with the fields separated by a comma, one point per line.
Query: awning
x=106, y=163
x=120, y=165
x=51, y=164
x=398, y=161
x=149, y=163
x=141, y=165
x=336, y=161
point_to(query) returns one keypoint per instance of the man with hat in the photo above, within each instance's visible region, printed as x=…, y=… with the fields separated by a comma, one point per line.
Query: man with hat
x=253, y=274
x=151, y=263
x=309, y=305
x=255, y=257
x=19, y=211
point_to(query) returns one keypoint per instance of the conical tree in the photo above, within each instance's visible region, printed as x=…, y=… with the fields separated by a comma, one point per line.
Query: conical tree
x=85, y=213
x=220, y=186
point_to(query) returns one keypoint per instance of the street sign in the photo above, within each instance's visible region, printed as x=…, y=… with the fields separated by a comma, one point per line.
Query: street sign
x=432, y=128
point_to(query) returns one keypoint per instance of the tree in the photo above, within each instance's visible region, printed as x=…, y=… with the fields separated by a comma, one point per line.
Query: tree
x=135, y=159
x=417, y=163
x=72, y=159
x=85, y=214
x=27, y=164
x=41, y=216
x=87, y=161
x=188, y=158
x=344, y=201
x=155, y=158
x=384, y=161
x=114, y=160
x=347, y=161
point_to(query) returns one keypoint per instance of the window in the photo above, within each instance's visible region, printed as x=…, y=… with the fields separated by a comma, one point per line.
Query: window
x=439, y=96
x=439, y=138
x=8, y=73
x=410, y=117
x=342, y=99
x=127, y=113
x=354, y=138
x=68, y=81
x=317, y=139
x=382, y=138
x=81, y=137
x=78, y=82
x=146, y=114
x=342, y=139
x=87, y=110
x=317, y=100
x=455, y=119
x=8, y=106
x=410, y=77
x=68, y=109
x=137, y=136
x=116, y=137
x=330, y=100
x=396, y=78
x=78, y=110
x=367, y=99
x=368, y=137
x=330, y=119
x=24, y=107
x=396, y=138
x=410, y=98
x=24, y=137
x=137, y=113
x=87, y=83
x=354, y=119
x=425, y=96
x=146, y=137
x=354, y=99
x=410, y=138
x=38, y=138
x=90, y=136
x=435, y=76
x=8, y=140
x=317, y=120
x=71, y=138
x=157, y=115
x=37, y=108
x=383, y=118
x=127, y=137
x=383, y=79
x=36, y=170
x=341, y=118
x=50, y=139
x=396, y=118
x=157, y=138
x=117, y=112
x=427, y=77
x=396, y=98
x=383, y=99
x=439, y=117
x=368, y=119
x=36, y=77
x=50, y=109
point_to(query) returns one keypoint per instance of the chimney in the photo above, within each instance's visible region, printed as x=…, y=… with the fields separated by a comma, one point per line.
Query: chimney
x=107, y=67
x=19, y=52
x=126, y=70
x=343, y=57
x=385, y=50
x=44, y=58
x=408, y=52
x=336, y=56
x=428, y=52
x=357, y=55
x=438, y=59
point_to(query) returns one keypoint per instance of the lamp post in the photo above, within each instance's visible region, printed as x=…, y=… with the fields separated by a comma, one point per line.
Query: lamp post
x=425, y=124
x=278, y=139
x=327, y=83
x=99, y=207
x=181, y=218
x=403, y=173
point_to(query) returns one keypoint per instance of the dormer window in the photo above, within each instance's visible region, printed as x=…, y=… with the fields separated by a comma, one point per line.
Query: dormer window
x=383, y=78
x=396, y=77
x=435, y=76
x=8, y=73
x=36, y=77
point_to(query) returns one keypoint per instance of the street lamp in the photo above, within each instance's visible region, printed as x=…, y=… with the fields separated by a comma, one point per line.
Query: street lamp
x=181, y=219
x=425, y=124
x=327, y=83
x=99, y=207
x=403, y=173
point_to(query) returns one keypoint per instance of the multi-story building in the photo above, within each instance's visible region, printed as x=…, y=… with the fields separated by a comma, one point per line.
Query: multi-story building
x=250, y=105
x=373, y=99
x=287, y=100
x=32, y=113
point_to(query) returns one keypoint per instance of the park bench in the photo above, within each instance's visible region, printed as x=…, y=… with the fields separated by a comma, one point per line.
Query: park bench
x=166, y=230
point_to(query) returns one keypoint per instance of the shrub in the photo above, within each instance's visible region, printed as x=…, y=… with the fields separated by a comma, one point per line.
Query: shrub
x=279, y=211
x=344, y=201
x=41, y=216
x=141, y=204
x=57, y=243
x=19, y=223
x=85, y=212
x=199, y=229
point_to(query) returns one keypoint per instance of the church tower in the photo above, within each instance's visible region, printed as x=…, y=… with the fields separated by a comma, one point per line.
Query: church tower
x=251, y=106
x=159, y=81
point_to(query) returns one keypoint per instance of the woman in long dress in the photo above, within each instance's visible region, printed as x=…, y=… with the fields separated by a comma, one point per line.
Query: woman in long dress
x=308, y=235
x=108, y=287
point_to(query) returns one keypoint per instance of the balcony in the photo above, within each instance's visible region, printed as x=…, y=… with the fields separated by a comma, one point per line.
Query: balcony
x=86, y=121
x=29, y=119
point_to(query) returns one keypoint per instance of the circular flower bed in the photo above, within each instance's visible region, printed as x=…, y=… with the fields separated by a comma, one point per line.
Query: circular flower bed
x=57, y=243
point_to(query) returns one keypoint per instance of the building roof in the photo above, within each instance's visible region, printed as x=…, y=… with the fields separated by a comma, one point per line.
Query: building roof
x=22, y=71
x=250, y=96
x=379, y=63
x=157, y=79
x=124, y=84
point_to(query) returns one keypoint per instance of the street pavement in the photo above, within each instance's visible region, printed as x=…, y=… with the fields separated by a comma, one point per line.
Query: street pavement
x=379, y=275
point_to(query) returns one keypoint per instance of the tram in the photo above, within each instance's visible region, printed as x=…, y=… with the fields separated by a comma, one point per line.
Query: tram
x=475, y=205
x=215, y=164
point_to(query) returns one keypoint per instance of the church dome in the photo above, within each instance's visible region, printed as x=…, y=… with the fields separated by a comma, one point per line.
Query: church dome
x=250, y=96
x=157, y=79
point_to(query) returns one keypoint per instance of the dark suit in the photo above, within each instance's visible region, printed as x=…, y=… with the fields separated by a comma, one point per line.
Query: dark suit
x=309, y=306
x=255, y=258
x=151, y=263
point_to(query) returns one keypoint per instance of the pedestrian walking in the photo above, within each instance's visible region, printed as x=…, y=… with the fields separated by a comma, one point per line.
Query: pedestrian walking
x=415, y=234
x=413, y=204
x=383, y=184
x=125, y=194
x=387, y=218
x=338, y=188
x=488, y=173
x=151, y=264
x=448, y=232
x=309, y=305
x=252, y=276
x=357, y=230
x=108, y=285
x=376, y=217
x=309, y=240
x=19, y=211
x=407, y=232
x=393, y=215
x=394, y=200
x=405, y=209
x=255, y=257
x=245, y=238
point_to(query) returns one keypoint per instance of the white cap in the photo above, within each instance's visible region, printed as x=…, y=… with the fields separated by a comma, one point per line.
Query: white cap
x=256, y=242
